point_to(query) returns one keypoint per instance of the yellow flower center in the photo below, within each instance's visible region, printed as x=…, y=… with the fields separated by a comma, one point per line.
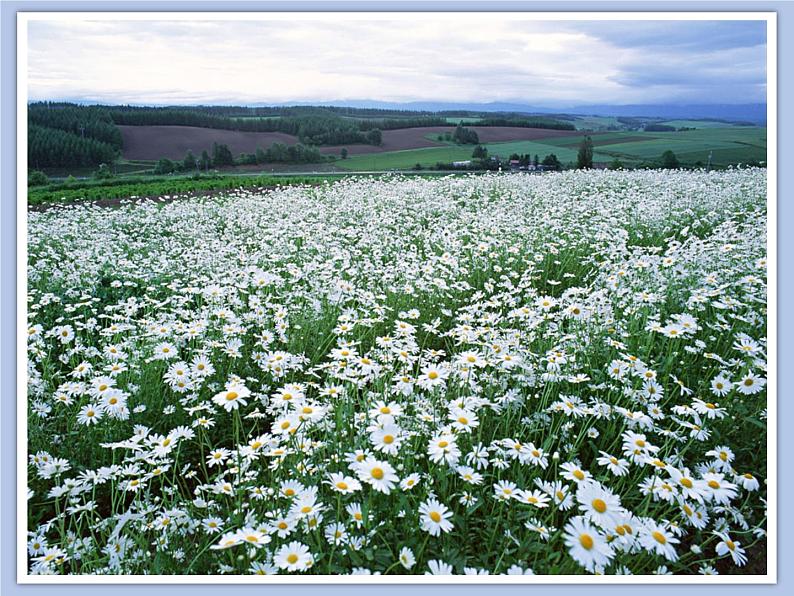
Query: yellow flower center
x=377, y=473
x=435, y=516
x=586, y=541
x=578, y=474
x=232, y=395
x=432, y=375
x=599, y=505
x=388, y=439
x=292, y=558
x=659, y=537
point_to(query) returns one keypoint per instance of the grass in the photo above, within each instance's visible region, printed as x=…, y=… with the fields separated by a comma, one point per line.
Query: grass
x=464, y=119
x=599, y=139
x=406, y=159
x=93, y=190
x=597, y=122
x=699, y=124
x=120, y=167
x=396, y=160
x=729, y=145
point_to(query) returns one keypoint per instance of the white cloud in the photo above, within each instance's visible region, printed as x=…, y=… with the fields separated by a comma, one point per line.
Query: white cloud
x=436, y=58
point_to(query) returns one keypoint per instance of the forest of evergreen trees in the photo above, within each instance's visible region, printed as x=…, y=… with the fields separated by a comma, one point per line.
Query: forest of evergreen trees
x=526, y=122
x=71, y=135
x=52, y=147
x=91, y=122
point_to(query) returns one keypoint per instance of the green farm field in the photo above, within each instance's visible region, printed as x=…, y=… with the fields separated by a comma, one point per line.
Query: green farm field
x=464, y=119
x=736, y=144
x=728, y=145
x=596, y=122
x=698, y=123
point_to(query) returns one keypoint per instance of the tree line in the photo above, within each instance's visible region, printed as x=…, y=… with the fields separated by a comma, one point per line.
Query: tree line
x=222, y=156
x=311, y=129
x=61, y=134
x=83, y=121
x=525, y=123
x=52, y=147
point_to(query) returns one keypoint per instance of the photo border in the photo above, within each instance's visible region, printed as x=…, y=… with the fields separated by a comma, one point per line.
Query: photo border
x=772, y=224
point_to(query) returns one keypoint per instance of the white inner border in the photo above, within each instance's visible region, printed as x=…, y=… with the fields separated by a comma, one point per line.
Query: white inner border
x=23, y=18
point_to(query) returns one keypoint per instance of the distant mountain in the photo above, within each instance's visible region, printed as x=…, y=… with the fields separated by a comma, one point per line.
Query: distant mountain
x=755, y=112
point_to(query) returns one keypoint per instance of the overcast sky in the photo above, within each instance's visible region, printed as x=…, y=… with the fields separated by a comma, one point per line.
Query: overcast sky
x=543, y=63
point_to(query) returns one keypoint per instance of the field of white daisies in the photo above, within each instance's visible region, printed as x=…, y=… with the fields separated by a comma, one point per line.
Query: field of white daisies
x=499, y=374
